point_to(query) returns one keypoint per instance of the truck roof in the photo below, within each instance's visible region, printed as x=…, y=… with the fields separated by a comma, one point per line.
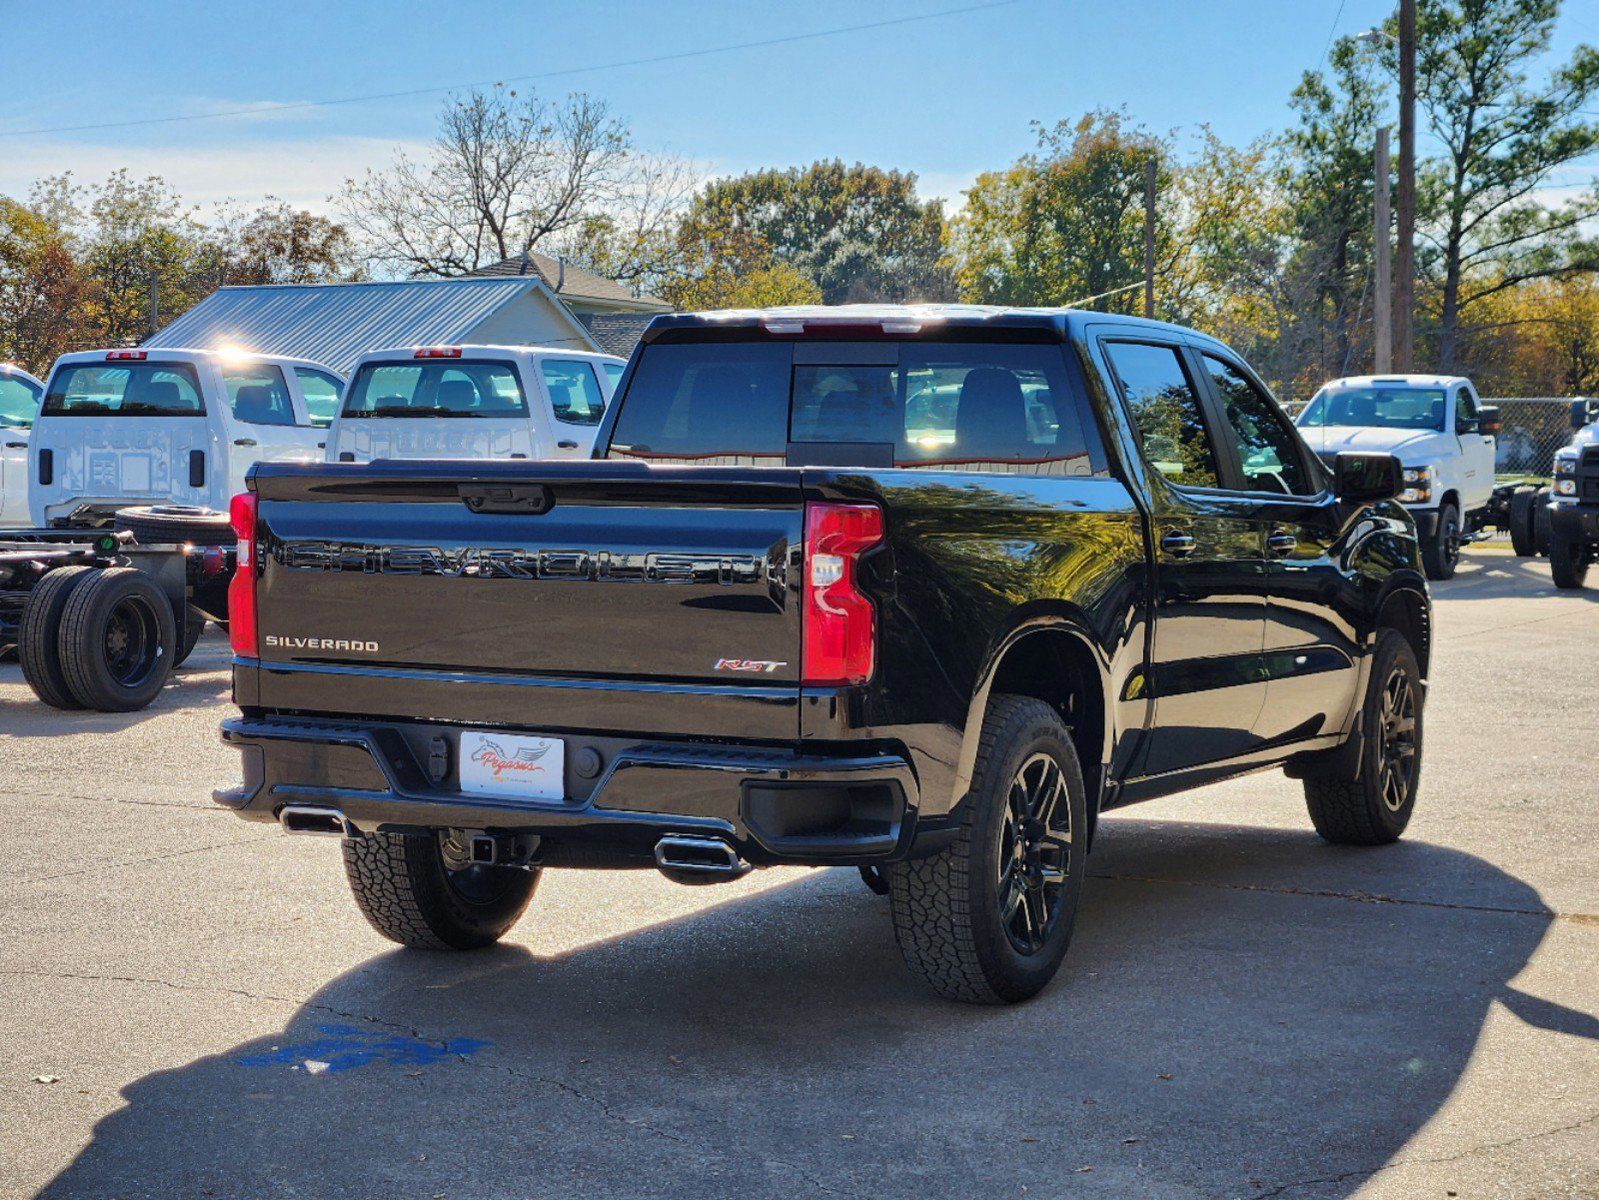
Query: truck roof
x=14, y=370
x=903, y=319
x=390, y=353
x=1411, y=380
x=186, y=354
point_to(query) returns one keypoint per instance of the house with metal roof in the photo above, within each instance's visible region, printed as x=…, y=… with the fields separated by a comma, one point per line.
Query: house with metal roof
x=546, y=304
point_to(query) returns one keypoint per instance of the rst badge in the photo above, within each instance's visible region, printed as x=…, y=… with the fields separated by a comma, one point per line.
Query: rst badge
x=749, y=666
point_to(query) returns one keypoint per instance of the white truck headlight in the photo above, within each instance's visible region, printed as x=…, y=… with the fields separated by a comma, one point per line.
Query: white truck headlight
x=1417, y=485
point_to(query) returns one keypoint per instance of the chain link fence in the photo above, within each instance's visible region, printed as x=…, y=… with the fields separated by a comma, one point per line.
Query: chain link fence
x=1531, y=429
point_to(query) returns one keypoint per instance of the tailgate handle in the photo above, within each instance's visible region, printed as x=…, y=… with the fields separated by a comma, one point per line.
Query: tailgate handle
x=529, y=498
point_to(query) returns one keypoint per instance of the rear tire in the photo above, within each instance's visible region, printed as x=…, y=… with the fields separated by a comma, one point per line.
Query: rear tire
x=1374, y=807
x=403, y=888
x=117, y=640
x=987, y=920
x=1542, y=533
x=39, y=636
x=1441, y=554
x=1521, y=518
x=189, y=636
x=1568, y=562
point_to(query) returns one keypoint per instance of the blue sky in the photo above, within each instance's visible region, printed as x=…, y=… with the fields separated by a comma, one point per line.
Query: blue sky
x=946, y=97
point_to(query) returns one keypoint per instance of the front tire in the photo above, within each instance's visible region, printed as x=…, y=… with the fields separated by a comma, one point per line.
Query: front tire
x=1441, y=554
x=987, y=920
x=404, y=888
x=1568, y=562
x=1373, y=808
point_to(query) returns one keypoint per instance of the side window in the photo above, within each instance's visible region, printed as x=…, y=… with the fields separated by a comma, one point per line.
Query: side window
x=19, y=402
x=613, y=375
x=574, y=391
x=321, y=392
x=258, y=394
x=1166, y=412
x=1269, y=456
x=1466, y=418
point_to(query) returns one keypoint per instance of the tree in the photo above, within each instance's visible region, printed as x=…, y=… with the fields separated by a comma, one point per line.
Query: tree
x=1331, y=198
x=1502, y=139
x=859, y=232
x=730, y=267
x=279, y=244
x=506, y=174
x=1065, y=223
x=41, y=291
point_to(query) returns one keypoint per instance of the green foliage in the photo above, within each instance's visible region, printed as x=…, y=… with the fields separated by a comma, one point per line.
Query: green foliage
x=1064, y=223
x=859, y=233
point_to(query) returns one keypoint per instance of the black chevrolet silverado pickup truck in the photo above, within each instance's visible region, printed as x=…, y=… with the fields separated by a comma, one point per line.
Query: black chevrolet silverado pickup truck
x=919, y=590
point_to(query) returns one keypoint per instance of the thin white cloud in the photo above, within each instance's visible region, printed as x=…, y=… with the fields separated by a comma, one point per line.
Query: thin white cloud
x=305, y=172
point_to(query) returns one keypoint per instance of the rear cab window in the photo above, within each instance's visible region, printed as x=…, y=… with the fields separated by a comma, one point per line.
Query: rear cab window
x=953, y=406
x=472, y=389
x=258, y=394
x=124, y=389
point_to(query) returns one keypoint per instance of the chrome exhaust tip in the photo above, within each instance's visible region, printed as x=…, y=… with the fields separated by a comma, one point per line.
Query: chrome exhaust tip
x=698, y=859
x=314, y=820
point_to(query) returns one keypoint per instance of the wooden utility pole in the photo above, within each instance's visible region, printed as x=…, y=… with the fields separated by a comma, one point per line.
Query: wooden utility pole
x=1405, y=258
x=1149, y=238
x=155, y=303
x=1382, y=336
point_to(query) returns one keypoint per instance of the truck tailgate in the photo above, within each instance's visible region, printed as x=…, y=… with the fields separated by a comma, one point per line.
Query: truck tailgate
x=583, y=571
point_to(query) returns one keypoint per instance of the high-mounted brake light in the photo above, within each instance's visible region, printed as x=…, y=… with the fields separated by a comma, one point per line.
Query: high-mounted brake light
x=126, y=355
x=241, y=588
x=839, y=633
x=436, y=352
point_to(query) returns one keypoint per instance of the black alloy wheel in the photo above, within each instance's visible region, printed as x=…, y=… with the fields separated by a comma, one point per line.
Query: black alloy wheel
x=1034, y=854
x=1397, y=738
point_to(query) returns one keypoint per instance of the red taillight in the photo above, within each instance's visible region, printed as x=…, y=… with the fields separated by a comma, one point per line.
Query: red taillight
x=126, y=356
x=436, y=352
x=839, y=638
x=241, y=588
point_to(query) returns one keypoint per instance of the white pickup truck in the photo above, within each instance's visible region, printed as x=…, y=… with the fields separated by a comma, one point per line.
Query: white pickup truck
x=120, y=428
x=1443, y=436
x=19, y=405
x=473, y=402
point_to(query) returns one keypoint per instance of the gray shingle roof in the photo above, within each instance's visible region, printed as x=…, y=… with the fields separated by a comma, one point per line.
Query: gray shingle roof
x=616, y=333
x=335, y=323
x=577, y=282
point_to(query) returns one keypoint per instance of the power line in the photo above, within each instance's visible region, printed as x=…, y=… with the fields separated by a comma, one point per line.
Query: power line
x=1331, y=33
x=678, y=56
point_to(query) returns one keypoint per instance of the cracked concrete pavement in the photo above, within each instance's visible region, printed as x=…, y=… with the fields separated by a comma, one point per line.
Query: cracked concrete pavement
x=1246, y=1012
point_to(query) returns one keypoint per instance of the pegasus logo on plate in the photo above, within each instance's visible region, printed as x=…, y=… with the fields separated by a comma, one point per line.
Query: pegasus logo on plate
x=752, y=666
x=525, y=761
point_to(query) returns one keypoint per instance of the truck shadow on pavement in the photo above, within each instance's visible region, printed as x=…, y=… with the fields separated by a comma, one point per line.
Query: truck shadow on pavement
x=202, y=682
x=1244, y=1010
x=1496, y=576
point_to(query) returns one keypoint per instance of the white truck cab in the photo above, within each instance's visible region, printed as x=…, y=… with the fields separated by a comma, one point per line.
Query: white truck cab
x=19, y=406
x=129, y=427
x=473, y=402
x=1443, y=436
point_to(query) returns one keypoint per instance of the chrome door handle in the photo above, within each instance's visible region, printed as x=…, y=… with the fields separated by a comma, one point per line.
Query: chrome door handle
x=244, y=441
x=1177, y=545
x=1281, y=542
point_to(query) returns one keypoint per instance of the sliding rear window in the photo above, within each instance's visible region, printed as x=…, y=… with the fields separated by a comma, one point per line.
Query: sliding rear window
x=954, y=406
x=135, y=389
x=436, y=389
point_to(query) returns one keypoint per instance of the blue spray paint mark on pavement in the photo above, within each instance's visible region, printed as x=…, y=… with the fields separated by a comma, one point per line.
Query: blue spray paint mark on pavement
x=344, y=1047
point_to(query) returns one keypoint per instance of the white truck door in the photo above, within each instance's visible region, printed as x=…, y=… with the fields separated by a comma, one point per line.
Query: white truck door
x=264, y=424
x=575, y=403
x=1476, y=452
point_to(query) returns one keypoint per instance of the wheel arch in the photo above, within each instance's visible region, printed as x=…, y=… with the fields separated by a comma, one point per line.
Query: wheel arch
x=1052, y=657
x=1404, y=606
